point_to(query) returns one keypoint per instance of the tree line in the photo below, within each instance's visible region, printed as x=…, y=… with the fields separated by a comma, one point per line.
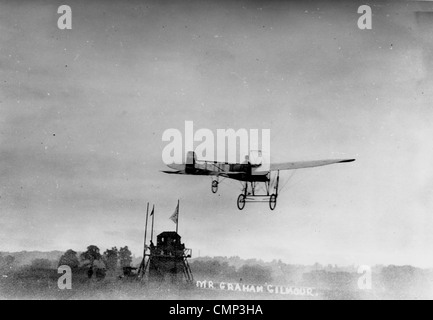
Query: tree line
x=111, y=259
x=92, y=258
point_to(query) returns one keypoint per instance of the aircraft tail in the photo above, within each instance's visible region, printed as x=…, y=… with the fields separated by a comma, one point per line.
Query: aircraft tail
x=191, y=157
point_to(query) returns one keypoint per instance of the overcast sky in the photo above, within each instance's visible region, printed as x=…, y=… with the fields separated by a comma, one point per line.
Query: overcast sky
x=82, y=113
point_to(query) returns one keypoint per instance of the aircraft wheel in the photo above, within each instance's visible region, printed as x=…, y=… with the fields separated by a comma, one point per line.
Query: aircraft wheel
x=214, y=186
x=272, y=201
x=241, y=201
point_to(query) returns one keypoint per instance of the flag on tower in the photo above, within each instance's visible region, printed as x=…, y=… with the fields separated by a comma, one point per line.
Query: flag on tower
x=175, y=216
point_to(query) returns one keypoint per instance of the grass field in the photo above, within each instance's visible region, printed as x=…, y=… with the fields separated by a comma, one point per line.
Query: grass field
x=42, y=284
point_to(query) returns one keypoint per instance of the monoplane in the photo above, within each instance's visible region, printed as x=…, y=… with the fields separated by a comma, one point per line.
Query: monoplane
x=252, y=171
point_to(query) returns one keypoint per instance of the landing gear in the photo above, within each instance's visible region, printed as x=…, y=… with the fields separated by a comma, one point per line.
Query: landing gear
x=214, y=186
x=273, y=201
x=241, y=201
x=273, y=198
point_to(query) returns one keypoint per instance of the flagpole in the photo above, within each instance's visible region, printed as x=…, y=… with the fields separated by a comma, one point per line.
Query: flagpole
x=143, y=264
x=177, y=228
x=153, y=218
x=177, y=222
x=145, y=231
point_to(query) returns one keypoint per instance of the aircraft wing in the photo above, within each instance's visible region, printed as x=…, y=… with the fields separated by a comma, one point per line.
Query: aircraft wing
x=175, y=172
x=305, y=164
x=207, y=173
x=197, y=172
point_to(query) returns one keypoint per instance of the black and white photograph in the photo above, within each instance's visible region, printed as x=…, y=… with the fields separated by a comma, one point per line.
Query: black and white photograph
x=216, y=150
